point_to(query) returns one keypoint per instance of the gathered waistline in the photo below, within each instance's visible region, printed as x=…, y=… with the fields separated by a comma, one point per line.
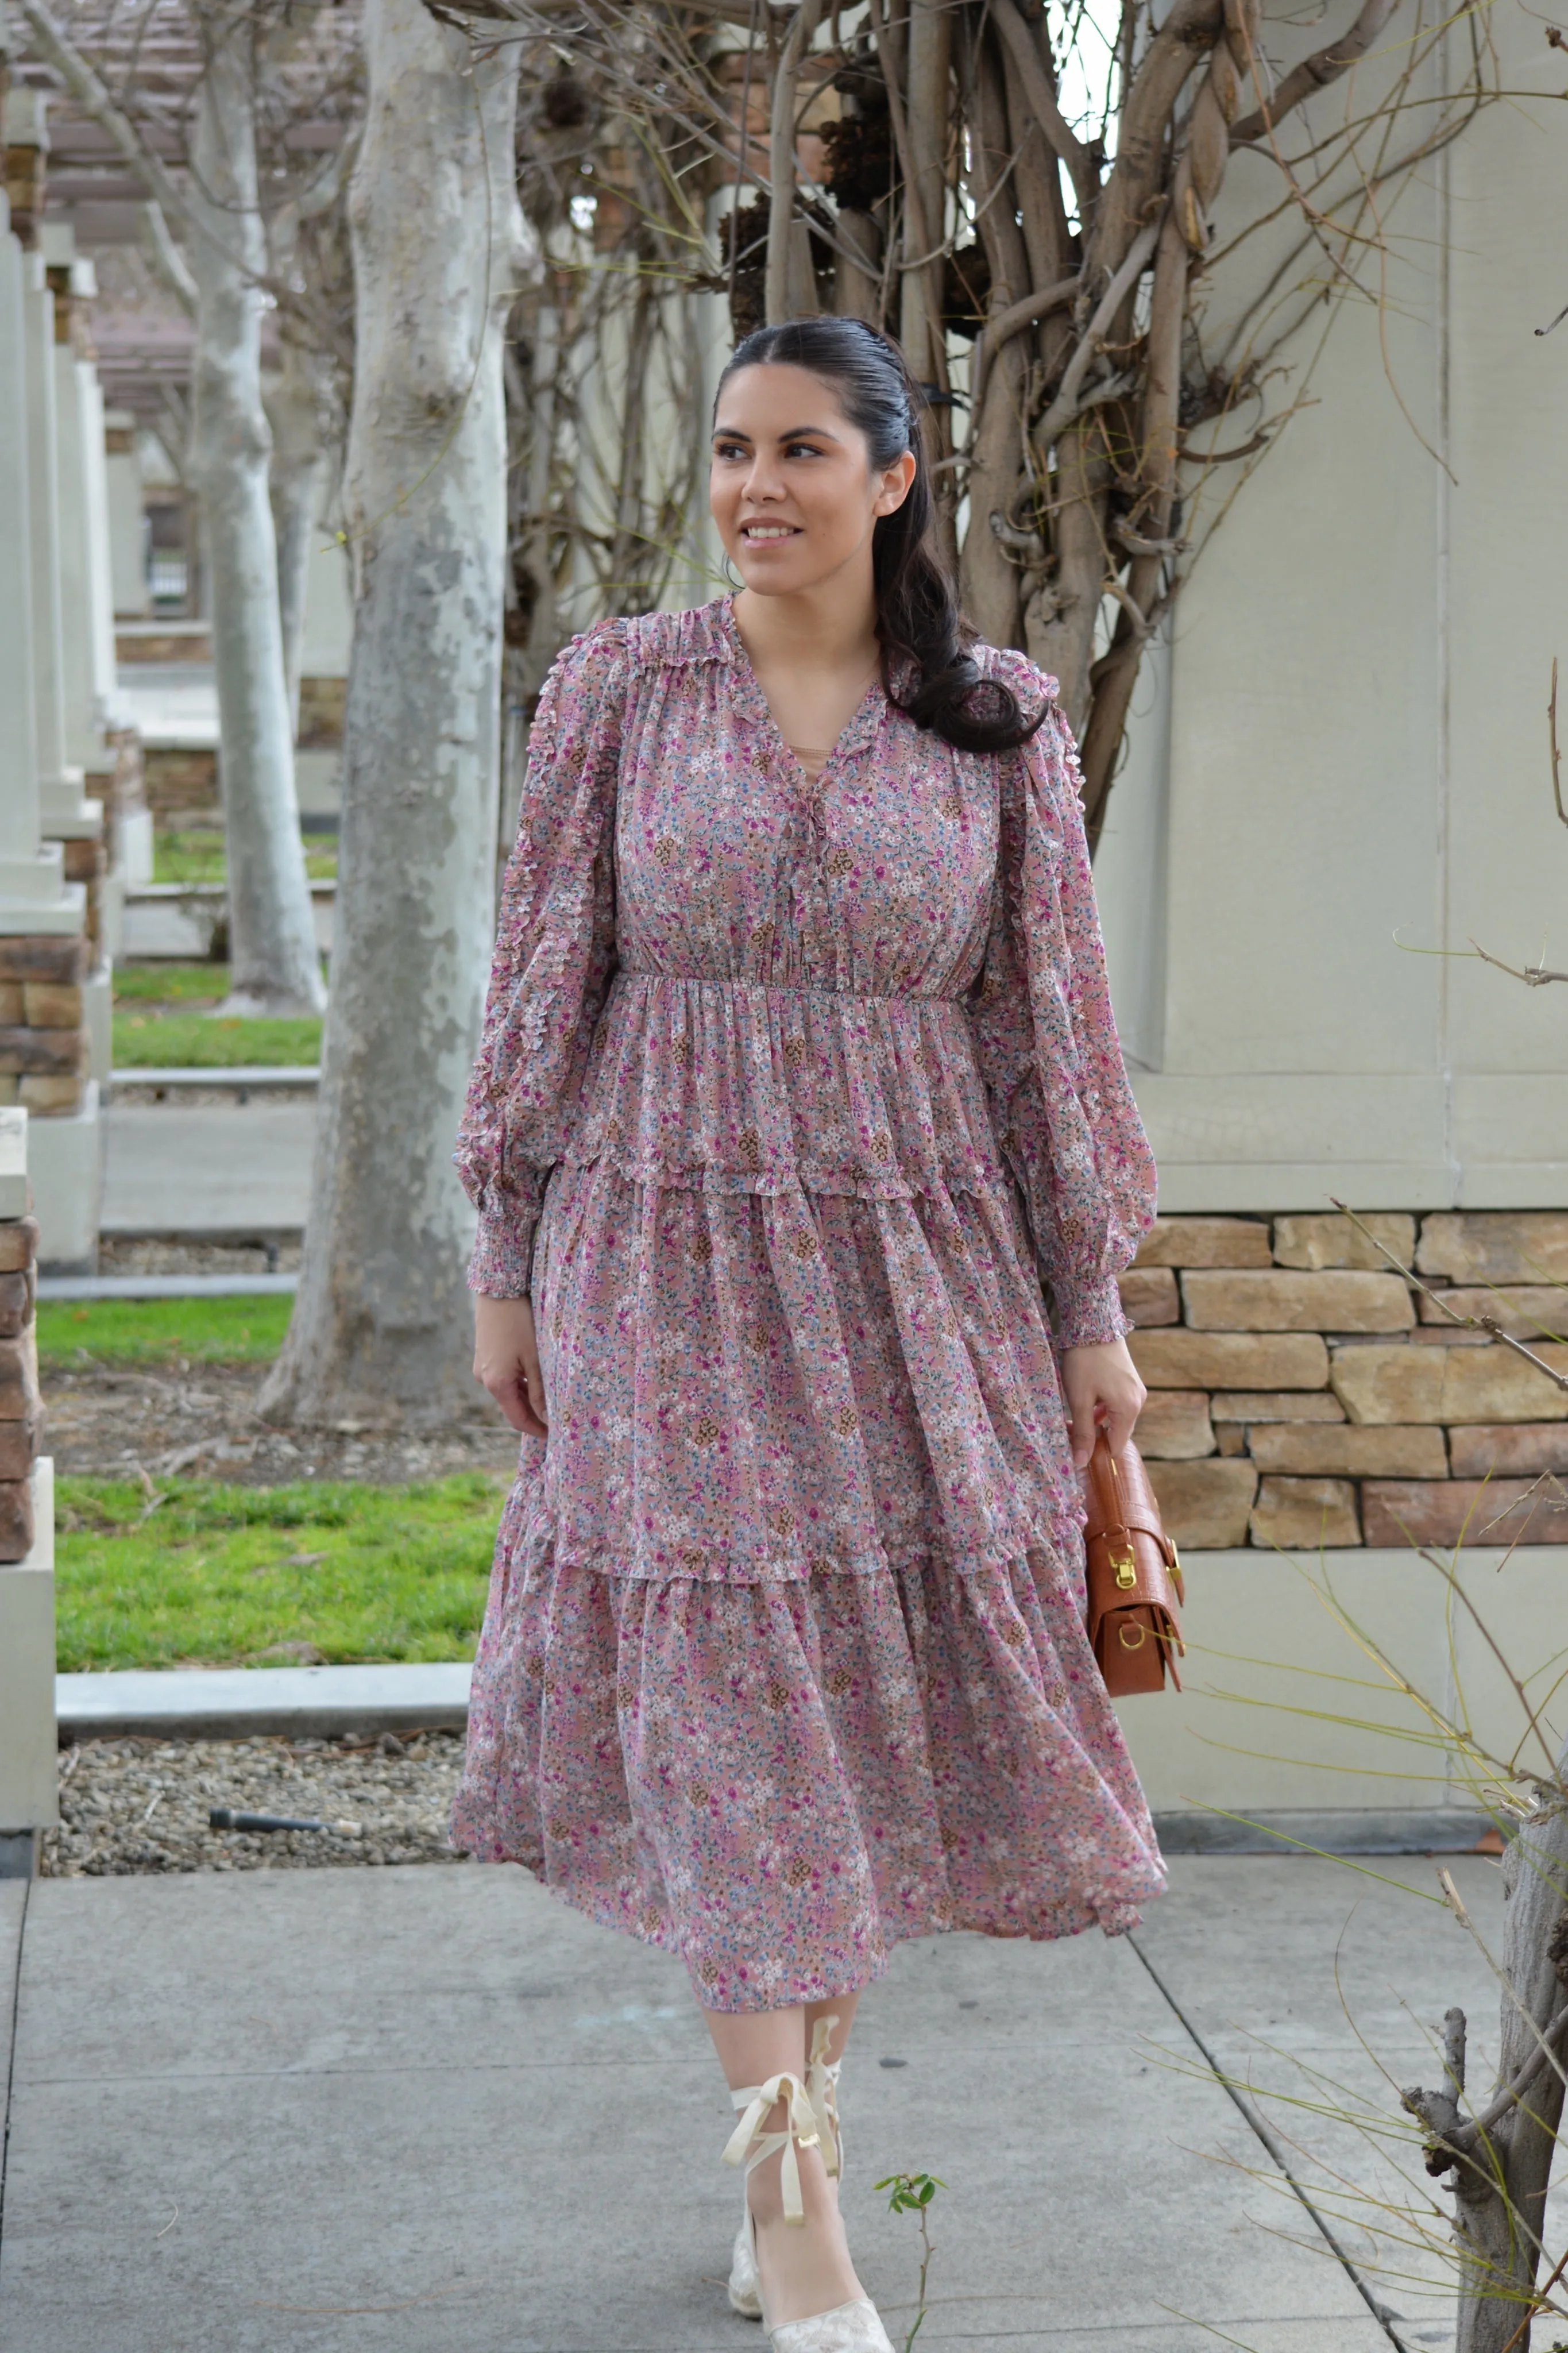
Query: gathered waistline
x=790, y=988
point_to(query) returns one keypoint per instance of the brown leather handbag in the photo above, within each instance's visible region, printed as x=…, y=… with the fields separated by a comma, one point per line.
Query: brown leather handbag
x=1134, y=1576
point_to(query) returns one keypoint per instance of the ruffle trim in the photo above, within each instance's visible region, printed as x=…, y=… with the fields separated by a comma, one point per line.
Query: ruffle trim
x=539, y=1540
x=621, y=1909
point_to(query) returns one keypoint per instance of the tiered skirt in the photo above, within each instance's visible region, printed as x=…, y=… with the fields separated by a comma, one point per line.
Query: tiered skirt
x=784, y=1658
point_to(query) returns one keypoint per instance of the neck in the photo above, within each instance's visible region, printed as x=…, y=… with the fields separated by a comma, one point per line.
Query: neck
x=832, y=625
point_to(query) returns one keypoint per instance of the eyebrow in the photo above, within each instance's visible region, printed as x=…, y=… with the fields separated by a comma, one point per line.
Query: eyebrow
x=733, y=433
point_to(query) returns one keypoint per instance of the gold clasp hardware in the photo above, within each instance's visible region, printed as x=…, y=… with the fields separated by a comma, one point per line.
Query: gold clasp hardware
x=1132, y=1638
x=1126, y=1567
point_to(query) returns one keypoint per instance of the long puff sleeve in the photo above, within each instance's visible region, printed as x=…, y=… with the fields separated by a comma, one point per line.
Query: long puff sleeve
x=554, y=958
x=1047, y=1040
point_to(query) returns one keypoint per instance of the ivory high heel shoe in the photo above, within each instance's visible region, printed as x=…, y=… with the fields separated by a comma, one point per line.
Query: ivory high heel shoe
x=822, y=2091
x=852, y=2328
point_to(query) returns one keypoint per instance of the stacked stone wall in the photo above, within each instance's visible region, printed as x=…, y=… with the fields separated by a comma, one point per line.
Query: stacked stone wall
x=180, y=783
x=21, y=1417
x=1302, y=1393
x=43, y=1024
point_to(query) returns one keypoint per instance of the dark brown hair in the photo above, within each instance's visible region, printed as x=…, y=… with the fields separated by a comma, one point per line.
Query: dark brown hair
x=928, y=671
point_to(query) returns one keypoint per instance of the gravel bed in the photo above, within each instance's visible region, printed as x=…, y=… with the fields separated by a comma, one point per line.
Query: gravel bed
x=135, y=1095
x=130, y=1806
x=169, y=1254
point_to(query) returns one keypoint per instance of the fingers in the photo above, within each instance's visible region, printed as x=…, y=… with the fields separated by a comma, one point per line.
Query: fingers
x=1079, y=1397
x=533, y=1401
x=510, y=1391
x=523, y=1403
x=1100, y=1390
x=1120, y=1420
x=506, y=1361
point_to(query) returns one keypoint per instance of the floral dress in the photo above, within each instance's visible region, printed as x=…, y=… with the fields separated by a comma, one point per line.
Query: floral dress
x=788, y=1095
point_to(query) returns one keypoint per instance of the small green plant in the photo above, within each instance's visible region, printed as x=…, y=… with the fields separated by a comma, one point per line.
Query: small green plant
x=911, y=2193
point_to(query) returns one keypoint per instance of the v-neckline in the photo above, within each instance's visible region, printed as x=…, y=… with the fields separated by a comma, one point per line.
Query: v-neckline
x=853, y=735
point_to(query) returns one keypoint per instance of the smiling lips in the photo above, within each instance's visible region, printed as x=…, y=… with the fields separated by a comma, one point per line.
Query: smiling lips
x=769, y=531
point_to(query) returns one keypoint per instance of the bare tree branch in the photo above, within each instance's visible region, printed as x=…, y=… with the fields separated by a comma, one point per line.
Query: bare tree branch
x=1065, y=142
x=1315, y=73
x=171, y=262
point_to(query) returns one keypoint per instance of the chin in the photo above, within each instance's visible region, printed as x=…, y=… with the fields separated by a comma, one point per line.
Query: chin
x=772, y=575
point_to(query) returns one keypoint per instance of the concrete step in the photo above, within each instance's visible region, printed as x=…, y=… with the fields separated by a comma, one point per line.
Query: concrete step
x=180, y=921
x=237, y=1702
x=206, y=1169
x=167, y=1286
x=245, y=1078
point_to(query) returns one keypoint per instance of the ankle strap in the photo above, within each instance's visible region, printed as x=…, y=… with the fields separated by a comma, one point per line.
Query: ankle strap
x=821, y=2090
x=749, y=2146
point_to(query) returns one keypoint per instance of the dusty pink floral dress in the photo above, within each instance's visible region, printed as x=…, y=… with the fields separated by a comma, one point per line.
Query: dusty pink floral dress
x=784, y=1657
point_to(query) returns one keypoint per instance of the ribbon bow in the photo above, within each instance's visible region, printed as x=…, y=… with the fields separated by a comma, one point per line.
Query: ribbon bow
x=749, y=2146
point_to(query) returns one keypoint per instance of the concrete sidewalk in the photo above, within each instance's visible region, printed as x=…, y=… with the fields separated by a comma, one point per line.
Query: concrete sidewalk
x=434, y=2112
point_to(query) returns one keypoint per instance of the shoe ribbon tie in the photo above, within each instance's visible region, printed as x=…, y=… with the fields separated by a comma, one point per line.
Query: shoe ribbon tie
x=822, y=2091
x=749, y=2146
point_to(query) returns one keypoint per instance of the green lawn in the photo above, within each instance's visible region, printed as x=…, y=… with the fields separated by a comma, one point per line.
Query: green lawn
x=170, y=984
x=173, y=1037
x=237, y=1330
x=200, y=1572
x=166, y=1016
x=197, y=855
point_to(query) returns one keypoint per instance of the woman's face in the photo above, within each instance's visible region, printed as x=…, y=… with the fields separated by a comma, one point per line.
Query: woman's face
x=791, y=487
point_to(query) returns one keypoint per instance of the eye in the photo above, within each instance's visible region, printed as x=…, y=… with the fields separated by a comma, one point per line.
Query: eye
x=803, y=449
x=728, y=450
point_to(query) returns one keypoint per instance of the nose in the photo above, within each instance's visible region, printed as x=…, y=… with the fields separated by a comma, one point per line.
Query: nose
x=762, y=478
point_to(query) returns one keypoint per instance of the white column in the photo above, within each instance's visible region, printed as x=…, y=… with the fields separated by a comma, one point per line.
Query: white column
x=77, y=425
x=33, y=895
x=126, y=517
x=100, y=558
x=87, y=638
x=43, y=446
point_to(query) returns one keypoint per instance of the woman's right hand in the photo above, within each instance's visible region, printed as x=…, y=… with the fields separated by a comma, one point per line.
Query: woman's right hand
x=506, y=1359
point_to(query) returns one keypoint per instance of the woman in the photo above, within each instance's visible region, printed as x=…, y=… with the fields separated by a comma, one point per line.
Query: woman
x=798, y=1061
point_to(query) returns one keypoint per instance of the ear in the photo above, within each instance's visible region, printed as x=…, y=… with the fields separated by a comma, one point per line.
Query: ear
x=896, y=482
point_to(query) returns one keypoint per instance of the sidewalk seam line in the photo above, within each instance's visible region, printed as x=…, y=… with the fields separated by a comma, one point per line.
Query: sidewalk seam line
x=1256, y=2125
x=10, y=2052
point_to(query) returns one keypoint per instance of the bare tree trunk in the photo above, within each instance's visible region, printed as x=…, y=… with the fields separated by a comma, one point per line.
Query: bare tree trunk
x=1501, y=2157
x=299, y=488
x=784, y=285
x=630, y=553
x=989, y=578
x=274, y=967
x=858, y=284
x=380, y=1328
x=1060, y=617
x=1146, y=533
x=928, y=115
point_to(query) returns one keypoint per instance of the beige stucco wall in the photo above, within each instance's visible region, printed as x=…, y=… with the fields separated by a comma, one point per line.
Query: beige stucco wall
x=1351, y=741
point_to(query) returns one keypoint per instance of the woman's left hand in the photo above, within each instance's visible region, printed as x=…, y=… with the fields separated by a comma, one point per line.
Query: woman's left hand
x=1100, y=1388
